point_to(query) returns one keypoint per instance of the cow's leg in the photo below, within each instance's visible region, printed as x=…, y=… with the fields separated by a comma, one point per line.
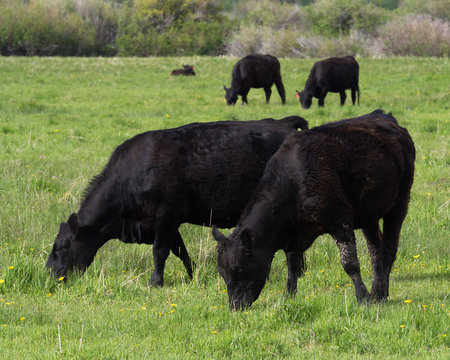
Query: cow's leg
x=280, y=89
x=343, y=97
x=268, y=92
x=164, y=239
x=374, y=243
x=346, y=243
x=296, y=265
x=244, y=96
x=353, y=95
x=323, y=94
x=180, y=251
x=392, y=223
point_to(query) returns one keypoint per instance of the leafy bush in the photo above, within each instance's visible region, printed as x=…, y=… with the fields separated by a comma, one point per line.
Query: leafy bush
x=172, y=27
x=416, y=35
x=435, y=8
x=338, y=17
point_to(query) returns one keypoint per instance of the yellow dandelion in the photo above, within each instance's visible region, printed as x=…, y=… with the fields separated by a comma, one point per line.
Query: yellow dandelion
x=444, y=335
x=8, y=303
x=307, y=273
x=416, y=256
x=167, y=116
x=214, y=307
x=306, y=298
x=159, y=314
x=173, y=305
x=56, y=130
x=337, y=286
x=10, y=267
x=396, y=269
x=407, y=301
x=22, y=318
x=427, y=194
x=424, y=157
x=425, y=306
x=418, y=93
x=246, y=313
x=2, y=281
x=322, y=271
x=123, y=271
x=49, y=294
x=213, y=332
x=3, y=300
x=143, y=308
x=4, y=325
x=402, y=326
x=61, y=278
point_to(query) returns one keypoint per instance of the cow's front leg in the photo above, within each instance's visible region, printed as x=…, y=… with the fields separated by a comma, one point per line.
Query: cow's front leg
x=296, y=265
x=343, y=97
x=180, y=251
x=268, y=92
x=323, y=94
x=346, y=243
x=161, y=249
x=244, y=96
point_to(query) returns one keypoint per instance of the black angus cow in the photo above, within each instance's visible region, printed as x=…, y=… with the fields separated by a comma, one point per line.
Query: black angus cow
x=334, y=74
x=331, y=179
x=199, y=173
x=186, y=70
x=255, y=71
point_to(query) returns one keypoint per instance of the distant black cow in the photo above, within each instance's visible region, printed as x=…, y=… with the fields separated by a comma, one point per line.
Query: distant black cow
x=331, y=179
x=199, y=173
x=186, y=70
x=335, y=74
x=255, y=71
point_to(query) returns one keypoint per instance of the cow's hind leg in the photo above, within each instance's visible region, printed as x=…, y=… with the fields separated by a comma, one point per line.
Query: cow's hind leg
x=296, y=266
x=392, y=223
x=374, y=243
x=180, y=251
x=268, y=92
x=354, y=95
x=343, y=97
x=280, y=89
x=346, y=243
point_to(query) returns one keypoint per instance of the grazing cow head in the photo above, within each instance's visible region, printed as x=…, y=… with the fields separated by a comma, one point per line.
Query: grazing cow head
x=305, y=98
x=69, y=253
x=244, y=269
x=230, y=95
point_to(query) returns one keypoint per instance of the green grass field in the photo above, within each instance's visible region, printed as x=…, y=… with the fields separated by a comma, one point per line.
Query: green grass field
x=61, y=118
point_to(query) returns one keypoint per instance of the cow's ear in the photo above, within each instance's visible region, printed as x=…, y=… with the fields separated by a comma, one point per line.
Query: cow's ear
x=73, y=223
x=247, y=238
x=220, y=238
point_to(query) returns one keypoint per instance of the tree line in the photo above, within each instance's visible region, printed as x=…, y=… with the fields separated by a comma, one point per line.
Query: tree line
x=295, y=28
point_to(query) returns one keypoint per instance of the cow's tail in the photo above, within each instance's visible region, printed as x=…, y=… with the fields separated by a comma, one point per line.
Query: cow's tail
x=297, y=122
x=358, y=92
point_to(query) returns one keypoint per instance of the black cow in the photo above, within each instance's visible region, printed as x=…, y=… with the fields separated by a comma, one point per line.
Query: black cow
x=334, y=74
x=331, y=179
x=255, y=71
x=186, y=70
x=199, y=173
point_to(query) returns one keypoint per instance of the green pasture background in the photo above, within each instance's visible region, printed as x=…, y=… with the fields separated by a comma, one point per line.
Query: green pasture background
x=61, y=118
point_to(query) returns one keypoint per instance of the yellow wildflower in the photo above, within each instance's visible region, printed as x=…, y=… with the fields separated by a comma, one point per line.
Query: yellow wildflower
x=416, y=256
x=61, y=278
x=214, y=332
x=2, y=281
x=402, y=326
x=10, y=267
x=49, y=294
x=173, y=305
x=22, y=318
x=407, y=301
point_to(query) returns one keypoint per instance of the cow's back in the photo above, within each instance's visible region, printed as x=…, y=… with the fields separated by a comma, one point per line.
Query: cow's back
x=205, y=171
x=362, y=165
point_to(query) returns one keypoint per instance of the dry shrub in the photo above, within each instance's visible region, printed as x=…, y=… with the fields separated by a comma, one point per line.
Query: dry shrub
x=416, y=35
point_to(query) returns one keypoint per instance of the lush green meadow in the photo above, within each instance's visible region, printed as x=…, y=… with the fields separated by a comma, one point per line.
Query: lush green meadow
x=60, y=119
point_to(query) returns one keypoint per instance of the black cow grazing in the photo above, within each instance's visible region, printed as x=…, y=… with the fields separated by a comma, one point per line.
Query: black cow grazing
x=334, y=74
x=199, y=173
x=331, y=179
x=186, y=70
x=255, y=71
